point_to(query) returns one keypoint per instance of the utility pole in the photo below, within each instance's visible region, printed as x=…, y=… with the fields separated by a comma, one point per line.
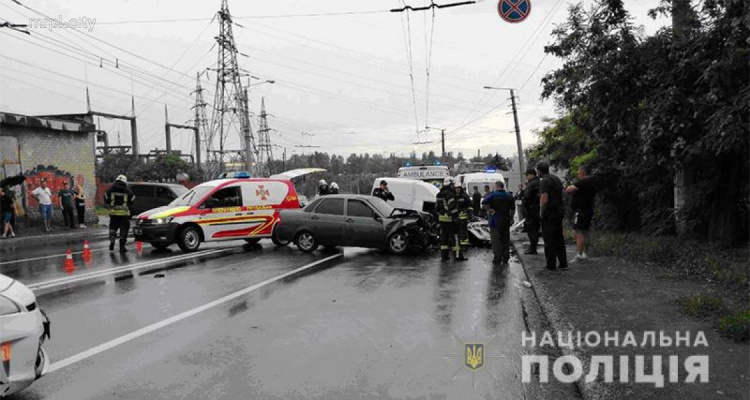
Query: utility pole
x=201, y=130
x=230, y=96
x=521, y=166
x=442, y=142
x=264, y=140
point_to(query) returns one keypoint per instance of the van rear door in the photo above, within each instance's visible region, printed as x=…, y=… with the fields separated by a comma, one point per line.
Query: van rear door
x=262, y=200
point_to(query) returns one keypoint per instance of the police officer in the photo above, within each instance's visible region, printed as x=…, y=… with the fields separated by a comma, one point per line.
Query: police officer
x=334, y=188
x=119, y=199
x=323, y=187
x=383, y=192
x=446, y=208
x=463, y=208
x=531, y=209
x=501, y=208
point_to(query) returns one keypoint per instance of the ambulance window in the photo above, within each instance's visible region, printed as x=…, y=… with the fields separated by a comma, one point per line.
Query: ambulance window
x=226, y=197
x=331, y=206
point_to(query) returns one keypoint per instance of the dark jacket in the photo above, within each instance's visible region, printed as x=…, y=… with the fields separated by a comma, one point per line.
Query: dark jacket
x=476, y=201
x=553, y=187
x=446, y=204
x=531, y=198
x=463, y=205
x=119, y=199
x=500, y=201
x=383, y=194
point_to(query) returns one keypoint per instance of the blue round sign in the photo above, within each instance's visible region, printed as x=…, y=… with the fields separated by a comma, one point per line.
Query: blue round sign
x=514, y=11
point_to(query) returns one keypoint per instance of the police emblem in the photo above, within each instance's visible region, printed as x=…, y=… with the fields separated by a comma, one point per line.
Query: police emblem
x=474, y=355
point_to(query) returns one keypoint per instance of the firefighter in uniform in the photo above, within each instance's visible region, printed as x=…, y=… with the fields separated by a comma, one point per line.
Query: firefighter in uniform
x=463, y=208
x=119, y=199
x=446, y=208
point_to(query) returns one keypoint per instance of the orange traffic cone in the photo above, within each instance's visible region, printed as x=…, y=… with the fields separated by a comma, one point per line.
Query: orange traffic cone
x=69, y=266
x=139, y=247
x=86, y=253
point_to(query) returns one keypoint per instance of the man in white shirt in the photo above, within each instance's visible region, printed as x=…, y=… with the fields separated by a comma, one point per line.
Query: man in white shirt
x=44, y=196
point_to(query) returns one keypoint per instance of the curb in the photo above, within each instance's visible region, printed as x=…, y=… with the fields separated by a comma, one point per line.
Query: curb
x=559, y=323
x=56, y=238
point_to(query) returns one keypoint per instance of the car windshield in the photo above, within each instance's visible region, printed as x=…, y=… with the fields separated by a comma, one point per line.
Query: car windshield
x=382, y=207
x=179, y=190
x=192, y=197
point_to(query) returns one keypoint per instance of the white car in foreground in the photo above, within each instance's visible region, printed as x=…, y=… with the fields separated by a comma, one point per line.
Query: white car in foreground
x=23, y=330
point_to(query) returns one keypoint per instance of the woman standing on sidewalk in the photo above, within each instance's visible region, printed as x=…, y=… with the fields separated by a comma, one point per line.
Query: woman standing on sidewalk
x=6, y=211
x=80, y=199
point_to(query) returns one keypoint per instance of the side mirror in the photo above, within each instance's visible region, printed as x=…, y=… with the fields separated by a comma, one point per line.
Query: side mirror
x=377, y=217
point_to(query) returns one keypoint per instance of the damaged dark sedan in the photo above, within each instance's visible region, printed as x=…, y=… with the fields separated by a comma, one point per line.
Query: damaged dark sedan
x=357, y=221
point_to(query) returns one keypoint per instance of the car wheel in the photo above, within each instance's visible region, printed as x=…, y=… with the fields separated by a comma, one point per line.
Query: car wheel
x=253, y=240
x=160, y=245
x=189, y=239
x=277, y=240
x=397, y=243
x=306, y=242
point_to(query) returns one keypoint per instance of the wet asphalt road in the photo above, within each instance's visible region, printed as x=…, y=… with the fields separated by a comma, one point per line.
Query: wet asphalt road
x=374, y=326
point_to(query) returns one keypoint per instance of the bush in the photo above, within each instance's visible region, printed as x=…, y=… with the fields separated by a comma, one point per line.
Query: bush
x=736, y=326
x=702, y=306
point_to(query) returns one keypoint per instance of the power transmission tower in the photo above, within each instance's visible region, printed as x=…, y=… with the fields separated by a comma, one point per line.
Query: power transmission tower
x=264, y=140
x=200, y=122
x=230, y=97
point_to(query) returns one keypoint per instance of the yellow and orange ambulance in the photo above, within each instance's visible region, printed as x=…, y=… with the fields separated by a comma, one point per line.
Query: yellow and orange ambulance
x=224, y=209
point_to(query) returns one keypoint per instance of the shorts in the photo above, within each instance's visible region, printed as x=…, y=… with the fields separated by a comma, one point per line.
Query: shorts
x=45, y=210
x=7, y=216
x=582, y=220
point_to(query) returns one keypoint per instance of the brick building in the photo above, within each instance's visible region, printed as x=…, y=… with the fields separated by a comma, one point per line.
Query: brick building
x=56, y=148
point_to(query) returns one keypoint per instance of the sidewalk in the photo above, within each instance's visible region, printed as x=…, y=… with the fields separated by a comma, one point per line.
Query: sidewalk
x=611, y=295
x=58, y=234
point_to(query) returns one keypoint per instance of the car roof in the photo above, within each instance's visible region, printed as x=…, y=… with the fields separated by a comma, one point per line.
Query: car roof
x=155, y=184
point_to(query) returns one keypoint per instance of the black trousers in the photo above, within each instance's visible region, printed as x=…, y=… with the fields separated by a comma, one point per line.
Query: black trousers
x=447, y=238
x=500, y=238
x=532, y=230
x=121, y=224
x=81, y=213
x=67, y=213
x=554, y=242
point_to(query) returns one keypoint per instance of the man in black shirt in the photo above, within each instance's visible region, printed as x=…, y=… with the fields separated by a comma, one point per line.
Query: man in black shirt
x=583, y=191
x=531, y=209
x=476, y=200
x=382, y=192
x=551, y=212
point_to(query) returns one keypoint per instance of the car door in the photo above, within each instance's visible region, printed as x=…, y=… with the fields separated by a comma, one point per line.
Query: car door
x=221, y=215
x=364, y=226
x=329, y=222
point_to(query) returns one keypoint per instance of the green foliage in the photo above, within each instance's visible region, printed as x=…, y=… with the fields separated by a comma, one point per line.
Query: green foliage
x=702, y=306
x=164, y=167
x=736, y=326
x=641, y=108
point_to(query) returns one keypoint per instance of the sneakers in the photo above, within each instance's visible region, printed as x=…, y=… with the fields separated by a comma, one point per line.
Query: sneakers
x=82, y=226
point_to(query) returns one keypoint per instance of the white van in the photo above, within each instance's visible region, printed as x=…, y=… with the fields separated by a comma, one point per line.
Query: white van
x=480, y=179
x=410, y=194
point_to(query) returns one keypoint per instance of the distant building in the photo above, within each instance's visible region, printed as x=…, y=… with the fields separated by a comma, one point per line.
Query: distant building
x=55, y=148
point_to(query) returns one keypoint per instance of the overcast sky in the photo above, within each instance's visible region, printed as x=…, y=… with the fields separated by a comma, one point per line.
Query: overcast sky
x=343, y=79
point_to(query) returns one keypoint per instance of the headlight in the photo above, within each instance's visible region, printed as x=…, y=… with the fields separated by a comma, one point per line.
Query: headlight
x=159, y=221
x=8, y=307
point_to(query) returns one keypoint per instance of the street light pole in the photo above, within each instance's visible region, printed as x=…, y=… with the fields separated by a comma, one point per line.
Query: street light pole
x=521, y=167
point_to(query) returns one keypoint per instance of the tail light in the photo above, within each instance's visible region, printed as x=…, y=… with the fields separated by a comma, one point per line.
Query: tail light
x=5, y=352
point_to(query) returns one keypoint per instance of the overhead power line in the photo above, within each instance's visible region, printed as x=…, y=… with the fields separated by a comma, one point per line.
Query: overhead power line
x=172, y=20
x=431, y=6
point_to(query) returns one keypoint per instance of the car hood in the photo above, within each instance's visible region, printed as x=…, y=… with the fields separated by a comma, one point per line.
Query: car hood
x=162, y=212
x=16, y=291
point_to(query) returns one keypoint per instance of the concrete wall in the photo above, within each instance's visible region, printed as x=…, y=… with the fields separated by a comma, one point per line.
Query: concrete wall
x=57, y=156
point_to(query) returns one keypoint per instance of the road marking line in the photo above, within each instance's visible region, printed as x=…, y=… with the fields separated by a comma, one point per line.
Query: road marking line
x=179, y=317
x=52, y=256
x=94, y=274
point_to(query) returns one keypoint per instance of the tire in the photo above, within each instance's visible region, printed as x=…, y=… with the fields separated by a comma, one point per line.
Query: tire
x=189, y=239
x=278, y=241
x=160, y=245
x=398, y=243
x=306, y=242
x=253, y=240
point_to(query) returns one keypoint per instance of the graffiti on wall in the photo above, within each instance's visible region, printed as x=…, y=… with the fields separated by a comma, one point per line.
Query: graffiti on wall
x=55, y=179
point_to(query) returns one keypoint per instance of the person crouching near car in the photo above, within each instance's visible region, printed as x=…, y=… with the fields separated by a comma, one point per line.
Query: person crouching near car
x=119, y=199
